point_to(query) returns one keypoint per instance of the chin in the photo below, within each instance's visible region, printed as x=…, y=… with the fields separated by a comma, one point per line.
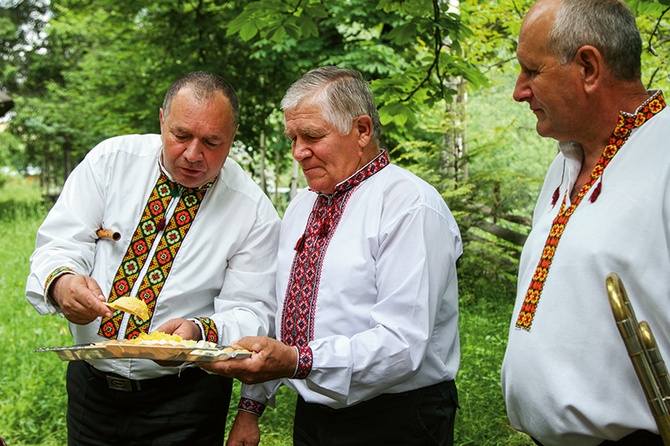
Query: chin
x=543, y=130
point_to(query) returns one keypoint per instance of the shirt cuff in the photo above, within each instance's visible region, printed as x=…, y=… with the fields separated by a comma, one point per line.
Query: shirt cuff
x=208, y=329
x=248, y=405
x=51, y=278
x=304, y=365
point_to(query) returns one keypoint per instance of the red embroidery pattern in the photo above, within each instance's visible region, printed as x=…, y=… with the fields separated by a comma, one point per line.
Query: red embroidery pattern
x=297, y=327
x=137, y=252
x=304, y=362
x=139, y=248
x=209, y=327
x=252, y=406
x=625, y=125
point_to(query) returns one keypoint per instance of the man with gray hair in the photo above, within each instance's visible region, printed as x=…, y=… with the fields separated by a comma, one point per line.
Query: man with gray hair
x=603, y=208
x=367, y=321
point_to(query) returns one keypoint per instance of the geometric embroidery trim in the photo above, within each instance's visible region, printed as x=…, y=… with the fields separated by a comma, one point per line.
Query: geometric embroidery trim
x=625, y=125
x=164, y=256
x=302, y=288
x=140, y=245
x=249, y=405
x=54, y=274
x=209, y=327
x=137, y=252
x=305, y=358
x=297, y=323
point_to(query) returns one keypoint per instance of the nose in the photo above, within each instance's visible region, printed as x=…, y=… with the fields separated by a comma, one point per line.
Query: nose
x=522, y=91
x=301, y=149
x=193, y=151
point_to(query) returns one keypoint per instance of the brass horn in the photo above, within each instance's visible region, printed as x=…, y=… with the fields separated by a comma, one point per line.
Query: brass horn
x=644, y=354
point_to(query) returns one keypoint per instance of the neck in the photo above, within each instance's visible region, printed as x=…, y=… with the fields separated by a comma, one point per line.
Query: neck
x=368, y=154
x=604, y=113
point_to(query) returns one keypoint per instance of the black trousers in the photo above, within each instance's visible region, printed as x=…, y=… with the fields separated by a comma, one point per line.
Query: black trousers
x=422, y=417
x=637, y=438
x=185, y=409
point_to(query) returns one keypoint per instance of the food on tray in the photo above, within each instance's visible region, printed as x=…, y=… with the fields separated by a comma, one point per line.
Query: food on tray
x=151, y=338
x=156, y=345
x=228, y=351
x=132, y=305
x=160, y=339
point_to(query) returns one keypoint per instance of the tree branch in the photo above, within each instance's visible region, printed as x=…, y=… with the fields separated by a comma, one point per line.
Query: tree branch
x=435, y=65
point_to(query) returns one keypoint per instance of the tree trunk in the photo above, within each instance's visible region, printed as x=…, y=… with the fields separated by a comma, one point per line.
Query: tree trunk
x=261, y=168
x=294, y=178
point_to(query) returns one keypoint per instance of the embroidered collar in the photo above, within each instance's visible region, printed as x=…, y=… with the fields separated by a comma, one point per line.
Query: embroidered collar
x=655, y=102
x=365, y=172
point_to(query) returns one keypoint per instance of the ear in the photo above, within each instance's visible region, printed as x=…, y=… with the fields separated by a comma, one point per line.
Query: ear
x=592, y=67
x=363, y=127
x=160, y=118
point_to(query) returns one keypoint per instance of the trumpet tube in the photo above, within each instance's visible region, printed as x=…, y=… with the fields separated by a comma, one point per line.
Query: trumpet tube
x=649, y=366
x=658, y=365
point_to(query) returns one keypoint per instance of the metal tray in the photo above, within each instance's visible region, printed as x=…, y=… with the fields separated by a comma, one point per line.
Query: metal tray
x=112, y=349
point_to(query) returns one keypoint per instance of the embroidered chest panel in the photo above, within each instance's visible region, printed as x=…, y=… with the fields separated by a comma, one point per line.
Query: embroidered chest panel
x=150, y=225
x=626, y=124
x=299, y=310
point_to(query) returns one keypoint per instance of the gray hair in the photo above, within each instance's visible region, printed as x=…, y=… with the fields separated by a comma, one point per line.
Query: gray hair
x=608, y=25
x=204, y=86
x=342, y=93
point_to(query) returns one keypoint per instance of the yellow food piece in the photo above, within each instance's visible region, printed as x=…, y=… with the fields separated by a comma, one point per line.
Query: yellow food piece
x=131, y=305
x=156, y=336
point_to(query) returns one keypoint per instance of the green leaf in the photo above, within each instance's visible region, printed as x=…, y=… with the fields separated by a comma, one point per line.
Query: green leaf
x=248, y=31
x=278, y=35
x=395, y=112
x=309, y=28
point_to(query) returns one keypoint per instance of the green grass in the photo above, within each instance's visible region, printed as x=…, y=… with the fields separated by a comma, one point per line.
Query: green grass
x=482, y=420
x=32, y=393
x=32, y=385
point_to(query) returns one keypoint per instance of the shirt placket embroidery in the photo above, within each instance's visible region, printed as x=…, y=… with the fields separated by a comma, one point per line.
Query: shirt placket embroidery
x=297, y=326
x=152, y=221
x=137, y=251
x=626, y=124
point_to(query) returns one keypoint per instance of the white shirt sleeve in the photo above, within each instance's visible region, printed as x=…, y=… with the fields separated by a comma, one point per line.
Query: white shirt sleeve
x=414, y=266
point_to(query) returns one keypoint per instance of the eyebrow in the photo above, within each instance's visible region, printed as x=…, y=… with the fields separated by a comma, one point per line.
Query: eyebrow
x=212, y=137
x=309, y=131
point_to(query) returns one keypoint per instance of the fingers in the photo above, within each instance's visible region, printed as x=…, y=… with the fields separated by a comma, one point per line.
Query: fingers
x=182, y=327
x=270, y=359
x=251, y=343
x=79, y=298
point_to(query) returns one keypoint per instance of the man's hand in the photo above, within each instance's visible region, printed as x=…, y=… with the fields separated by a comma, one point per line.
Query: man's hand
x=245, y=430
x=181, y=327
x=270, y=359
x=79, y=298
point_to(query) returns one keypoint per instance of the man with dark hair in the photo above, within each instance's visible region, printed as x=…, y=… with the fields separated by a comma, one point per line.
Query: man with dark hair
x=198, y=246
